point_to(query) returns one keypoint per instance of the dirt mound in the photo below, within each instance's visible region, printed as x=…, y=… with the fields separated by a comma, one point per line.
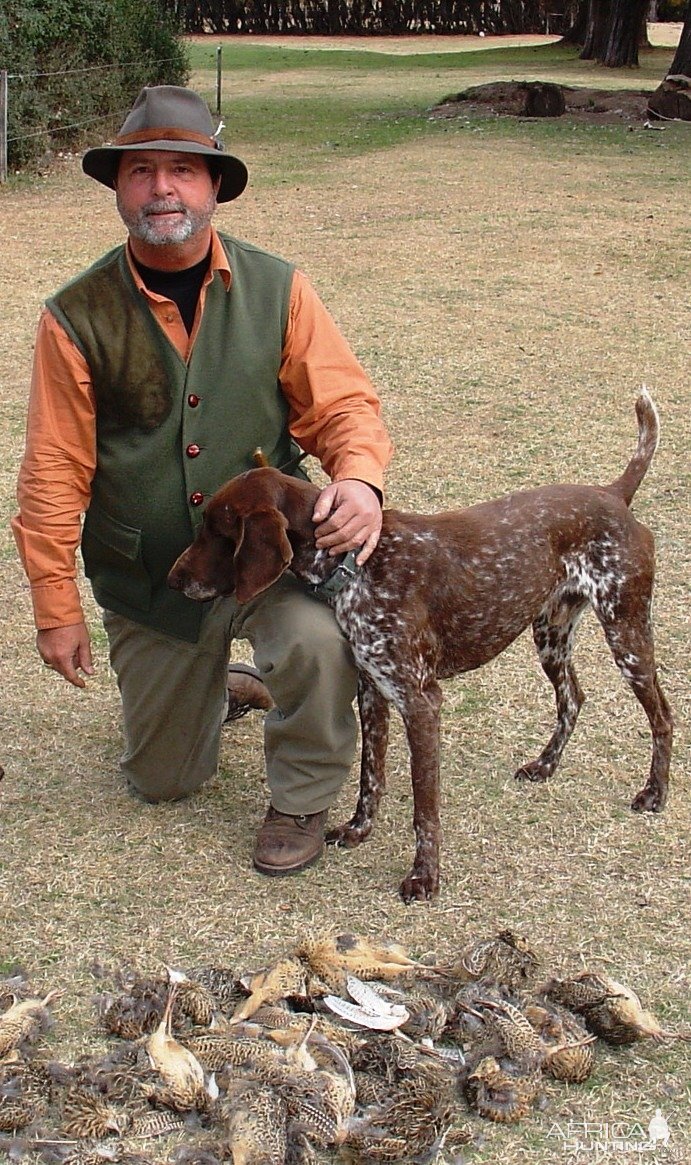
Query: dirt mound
x=529, y=99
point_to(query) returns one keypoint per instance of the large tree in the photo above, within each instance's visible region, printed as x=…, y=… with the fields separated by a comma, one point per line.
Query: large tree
x=575, y=22
x=614, y=31
x=681, y=65
x=671, y=101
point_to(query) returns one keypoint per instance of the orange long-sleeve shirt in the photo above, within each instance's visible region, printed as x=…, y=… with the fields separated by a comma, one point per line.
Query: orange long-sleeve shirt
x=334, y=415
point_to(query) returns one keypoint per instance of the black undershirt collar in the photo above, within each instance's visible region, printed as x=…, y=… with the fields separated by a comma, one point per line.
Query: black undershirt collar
x=183, y=287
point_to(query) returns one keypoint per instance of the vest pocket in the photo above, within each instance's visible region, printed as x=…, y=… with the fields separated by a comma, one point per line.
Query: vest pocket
x=113, y=560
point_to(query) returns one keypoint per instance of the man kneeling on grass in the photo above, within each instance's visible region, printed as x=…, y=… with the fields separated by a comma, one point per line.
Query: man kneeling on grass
x=158, y=372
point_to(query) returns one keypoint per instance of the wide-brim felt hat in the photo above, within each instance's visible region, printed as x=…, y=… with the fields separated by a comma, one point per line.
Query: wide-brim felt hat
x=168, y=117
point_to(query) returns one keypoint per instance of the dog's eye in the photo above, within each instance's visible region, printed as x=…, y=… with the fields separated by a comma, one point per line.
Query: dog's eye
x=219, y=525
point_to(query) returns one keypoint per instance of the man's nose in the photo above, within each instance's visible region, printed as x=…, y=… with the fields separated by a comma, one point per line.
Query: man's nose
x=162, y=182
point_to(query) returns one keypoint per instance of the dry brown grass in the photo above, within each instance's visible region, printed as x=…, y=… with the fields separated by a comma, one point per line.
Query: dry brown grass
x=508, y=296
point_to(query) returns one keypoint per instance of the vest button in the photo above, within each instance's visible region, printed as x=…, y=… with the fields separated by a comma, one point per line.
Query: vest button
x=196, y=498
x=193, y=450
x=193, y=400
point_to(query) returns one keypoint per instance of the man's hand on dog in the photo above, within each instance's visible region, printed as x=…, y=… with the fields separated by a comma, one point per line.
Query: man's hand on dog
x=348, y=516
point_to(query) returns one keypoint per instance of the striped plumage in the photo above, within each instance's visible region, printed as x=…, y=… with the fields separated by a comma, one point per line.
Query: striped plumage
x=332, y=958
x=570, y=1050
x=499, y=1095
x=23, y=1020
x=87, y=1116
x=254, y=1120
x=610, y=1009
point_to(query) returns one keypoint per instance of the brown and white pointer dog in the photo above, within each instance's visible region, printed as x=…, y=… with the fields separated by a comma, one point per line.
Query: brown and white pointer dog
x=443, y=594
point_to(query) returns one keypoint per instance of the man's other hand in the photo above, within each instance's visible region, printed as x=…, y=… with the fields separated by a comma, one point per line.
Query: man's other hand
x=67, y=650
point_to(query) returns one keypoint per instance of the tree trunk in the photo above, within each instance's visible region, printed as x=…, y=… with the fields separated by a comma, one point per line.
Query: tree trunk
x=596, y=30
x=578, y=23
x=682, y=58
x=671, y=101
x=627, y=18
x=613, y=32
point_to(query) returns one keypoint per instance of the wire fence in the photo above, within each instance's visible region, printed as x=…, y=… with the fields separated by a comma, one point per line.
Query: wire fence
x=18, y=92
x=85, y=69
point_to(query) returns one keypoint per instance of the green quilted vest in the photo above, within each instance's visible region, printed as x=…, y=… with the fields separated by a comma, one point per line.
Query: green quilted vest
x=169, y=434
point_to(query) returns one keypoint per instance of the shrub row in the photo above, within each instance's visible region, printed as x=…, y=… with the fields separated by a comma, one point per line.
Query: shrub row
x=75, y=68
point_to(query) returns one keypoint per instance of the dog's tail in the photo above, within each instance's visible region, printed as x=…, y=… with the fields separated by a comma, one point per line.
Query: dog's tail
x=648, y=437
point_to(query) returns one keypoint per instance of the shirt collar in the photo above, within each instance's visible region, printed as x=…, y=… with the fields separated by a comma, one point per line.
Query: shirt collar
x=219, y=262
x=219, y=259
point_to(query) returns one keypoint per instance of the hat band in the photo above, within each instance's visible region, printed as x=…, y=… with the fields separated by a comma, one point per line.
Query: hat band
x=165, y=134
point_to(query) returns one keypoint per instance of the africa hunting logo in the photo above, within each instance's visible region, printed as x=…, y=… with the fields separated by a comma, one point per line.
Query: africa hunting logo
x=626, y=1135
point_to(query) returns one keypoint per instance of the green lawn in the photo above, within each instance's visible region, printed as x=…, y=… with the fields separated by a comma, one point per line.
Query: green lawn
x=509, y=285
x=307, y=105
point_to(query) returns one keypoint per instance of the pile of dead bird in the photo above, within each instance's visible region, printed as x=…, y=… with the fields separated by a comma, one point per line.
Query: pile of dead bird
x=343, y=1046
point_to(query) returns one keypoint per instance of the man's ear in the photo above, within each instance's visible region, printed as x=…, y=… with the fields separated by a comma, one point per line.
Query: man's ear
x=262, y=555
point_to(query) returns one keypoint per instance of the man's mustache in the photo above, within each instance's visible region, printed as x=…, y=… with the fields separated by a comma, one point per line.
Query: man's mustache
x=161, y=206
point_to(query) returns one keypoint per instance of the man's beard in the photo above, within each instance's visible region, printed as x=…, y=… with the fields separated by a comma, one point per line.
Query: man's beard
x=145, y=226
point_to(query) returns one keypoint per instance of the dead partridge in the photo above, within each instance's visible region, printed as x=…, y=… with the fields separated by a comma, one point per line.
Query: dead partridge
x=254, y=1119
x=510, y=1035
x=321, y=1100
x=418, y=1117
x=182, y=1075
x=332, y=959
x=570, y=1049
x=266, y=1058
x=222, y=982
x=192, y=999
x=16, y=1109
x=273, y=1018
x=29, y=1080
x=87, y=1115
x=284, y=978
x=609, y=1009
x=505, y=957
x=216, y=1049
x=137, y=1011
x=499, y=1095
x=23, y=1021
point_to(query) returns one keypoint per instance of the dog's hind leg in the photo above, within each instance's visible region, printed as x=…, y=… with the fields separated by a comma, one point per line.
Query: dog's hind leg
x=374, y=719
x=554, y=641
x=629, y=635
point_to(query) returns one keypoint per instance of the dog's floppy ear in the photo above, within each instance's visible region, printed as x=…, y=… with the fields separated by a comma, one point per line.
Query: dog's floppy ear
x=262, y=555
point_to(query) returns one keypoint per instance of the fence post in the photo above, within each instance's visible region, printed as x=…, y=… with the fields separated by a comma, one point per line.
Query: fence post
x=219, y=73
x=3, y=125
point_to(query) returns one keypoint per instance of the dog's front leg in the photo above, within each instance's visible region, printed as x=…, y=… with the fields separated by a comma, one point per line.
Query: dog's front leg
x=374, y=720
x=421, y=717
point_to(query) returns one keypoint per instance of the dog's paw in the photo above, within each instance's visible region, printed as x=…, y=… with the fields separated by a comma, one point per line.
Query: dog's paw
x=349, y=835
x=534, y=770
x=649, y=800
x=419, y=886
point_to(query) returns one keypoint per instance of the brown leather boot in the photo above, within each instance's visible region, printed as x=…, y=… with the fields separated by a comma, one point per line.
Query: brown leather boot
x=245, y=690
x=286, y=844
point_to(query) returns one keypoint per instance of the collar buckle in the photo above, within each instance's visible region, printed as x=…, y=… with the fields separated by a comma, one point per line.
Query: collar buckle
x=344, y=573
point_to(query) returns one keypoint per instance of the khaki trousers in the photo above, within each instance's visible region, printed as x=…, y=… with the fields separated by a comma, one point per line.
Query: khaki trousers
x=173, y=695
